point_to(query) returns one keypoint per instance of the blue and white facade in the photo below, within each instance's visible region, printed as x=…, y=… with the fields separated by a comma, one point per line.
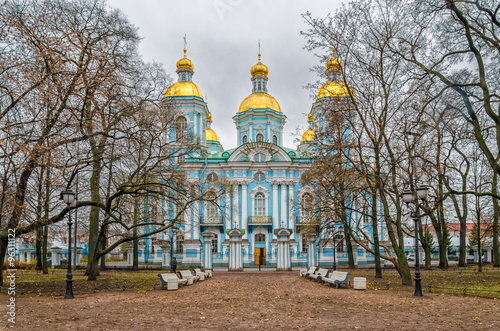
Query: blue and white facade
x=257, y=214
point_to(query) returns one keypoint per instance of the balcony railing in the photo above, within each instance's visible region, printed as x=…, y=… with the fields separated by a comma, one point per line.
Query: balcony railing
x=215, y=220
x=260, y=220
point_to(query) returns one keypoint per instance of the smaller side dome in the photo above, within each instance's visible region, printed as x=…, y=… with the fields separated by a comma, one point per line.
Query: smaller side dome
x=209, y=117
x=333, y=63
x=211, y=135
x=310, y=117
x=185, y=63
x=259, y=69
x=308, y=136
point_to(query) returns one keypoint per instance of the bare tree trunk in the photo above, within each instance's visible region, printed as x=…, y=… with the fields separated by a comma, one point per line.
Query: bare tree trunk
x=135, y=262
x=376, y=239
x=496, y=257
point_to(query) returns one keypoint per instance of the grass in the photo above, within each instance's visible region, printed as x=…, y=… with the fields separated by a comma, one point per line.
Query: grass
x=453, y=281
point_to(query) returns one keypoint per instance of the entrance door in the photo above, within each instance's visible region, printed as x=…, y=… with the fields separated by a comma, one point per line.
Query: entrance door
x=260, y=256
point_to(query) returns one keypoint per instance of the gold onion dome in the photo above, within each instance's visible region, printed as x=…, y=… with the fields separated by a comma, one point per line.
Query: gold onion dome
x=209, y=117
x=183, y=89
x=310, y=117
x=211, y=135
x=333, y=90
x=308, y=136
x=333, y=63
x=259, y=100
x=185, y=63
x=259, y=69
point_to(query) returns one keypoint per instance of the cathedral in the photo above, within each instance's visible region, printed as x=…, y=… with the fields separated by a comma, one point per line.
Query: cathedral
x=257, y=216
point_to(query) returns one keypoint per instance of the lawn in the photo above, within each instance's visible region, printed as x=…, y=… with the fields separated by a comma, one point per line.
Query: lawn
x=453, y=281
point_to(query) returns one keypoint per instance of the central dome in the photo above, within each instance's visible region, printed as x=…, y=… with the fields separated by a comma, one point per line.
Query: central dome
x=183, y=89
x=259, y=100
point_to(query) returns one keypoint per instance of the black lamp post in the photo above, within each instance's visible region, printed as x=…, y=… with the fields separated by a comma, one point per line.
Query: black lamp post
x=407, y=196
x=174, y=231
x=69, y=198
x=334, y=259
x=334, y=234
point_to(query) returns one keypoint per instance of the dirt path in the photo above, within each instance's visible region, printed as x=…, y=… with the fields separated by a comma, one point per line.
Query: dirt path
x=261, y=301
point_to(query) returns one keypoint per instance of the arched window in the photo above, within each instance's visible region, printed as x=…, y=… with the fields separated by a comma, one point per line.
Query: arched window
x=215, y=244
x=339, y=243
x=212, y=208
x=179, y=243
x=306, y=205
x=275, y=140
x=259, y=157
x=259, y=177
x=260, y=137
x=180, y=129
x=244, y=140
x=260, y=238
x=259, y=204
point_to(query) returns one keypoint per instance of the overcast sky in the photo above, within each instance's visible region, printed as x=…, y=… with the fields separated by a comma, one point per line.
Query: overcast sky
x=222, y=38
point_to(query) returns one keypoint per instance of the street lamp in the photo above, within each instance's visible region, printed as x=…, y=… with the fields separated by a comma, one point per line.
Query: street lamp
x=407, y=196
x=68, y=196
x=174, y=230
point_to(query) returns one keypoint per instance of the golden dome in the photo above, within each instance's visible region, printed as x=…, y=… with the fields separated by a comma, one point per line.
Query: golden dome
x=185, y=63
x=259, y=100
x=211, y=135
x=183, y=89
x=259, y=69
x=209, y=117
x=310, y=117
x=308, y=136
x=333, y=89
x=333, y=63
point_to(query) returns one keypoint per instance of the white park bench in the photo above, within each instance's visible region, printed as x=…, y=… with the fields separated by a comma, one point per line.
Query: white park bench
x=319, y=275
x=337, y=278
x=200, y=273
x=306, y=272
x=171, y=280
x=186, y=274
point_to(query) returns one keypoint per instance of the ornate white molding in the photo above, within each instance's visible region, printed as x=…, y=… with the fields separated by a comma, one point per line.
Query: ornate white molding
x=260, y=189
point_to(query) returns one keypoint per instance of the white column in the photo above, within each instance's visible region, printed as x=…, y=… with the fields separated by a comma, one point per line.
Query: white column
x=244, y=212
x=56, y=261
x=283, y=205
x=235, y=254
x=235, y=205
x=165, y=262
x=228, y=210
x=196, y=222
x=207, y=252
x=291, y=201
x=310, y=253
x=275, y=209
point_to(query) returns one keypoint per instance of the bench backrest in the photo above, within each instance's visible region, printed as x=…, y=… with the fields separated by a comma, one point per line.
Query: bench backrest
x=311, y=270
x=322, y=271
x=166, y=277
x=198, y=271
x=186, y=273
x=338, y=275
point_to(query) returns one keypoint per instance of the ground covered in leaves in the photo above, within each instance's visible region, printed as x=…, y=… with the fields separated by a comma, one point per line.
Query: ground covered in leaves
x=252, y=300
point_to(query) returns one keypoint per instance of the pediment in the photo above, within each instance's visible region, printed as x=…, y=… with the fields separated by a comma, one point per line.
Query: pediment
x=246, y=153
